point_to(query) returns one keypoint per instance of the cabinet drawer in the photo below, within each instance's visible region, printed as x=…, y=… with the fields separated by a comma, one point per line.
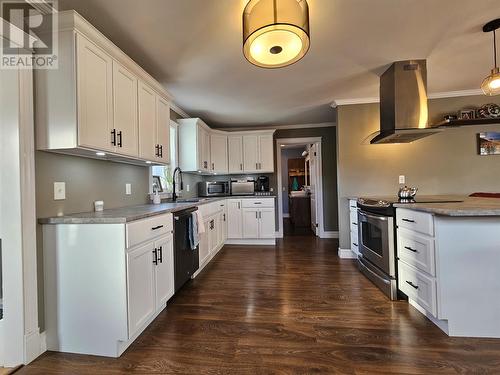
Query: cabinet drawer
x=257, y=203
x=417, y=250
x=211, y=208
x=414, y=220
x=418, y=286
x=353, y=220
x=147, y=229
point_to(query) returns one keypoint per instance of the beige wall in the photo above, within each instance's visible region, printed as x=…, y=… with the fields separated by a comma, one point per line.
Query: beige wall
x=87, y=180
x=444, y=163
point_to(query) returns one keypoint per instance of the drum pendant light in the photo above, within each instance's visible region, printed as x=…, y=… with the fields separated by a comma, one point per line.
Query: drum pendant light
x=491, y=84
x=275, y=32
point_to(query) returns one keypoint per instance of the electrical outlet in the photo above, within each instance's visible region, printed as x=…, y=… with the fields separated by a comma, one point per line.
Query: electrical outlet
x=128, y=189
x=187, y=188
x=59, y=191
x=402, y=179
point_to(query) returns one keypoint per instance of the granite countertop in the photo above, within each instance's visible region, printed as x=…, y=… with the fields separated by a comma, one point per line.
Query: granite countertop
x=132, y=213
x=468, y=207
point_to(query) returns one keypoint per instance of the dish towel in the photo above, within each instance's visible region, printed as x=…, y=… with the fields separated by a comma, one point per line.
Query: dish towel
x=201, y=225
x=194, y=239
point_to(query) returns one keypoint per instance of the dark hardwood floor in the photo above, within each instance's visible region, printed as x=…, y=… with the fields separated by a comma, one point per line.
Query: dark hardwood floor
x=293, y=309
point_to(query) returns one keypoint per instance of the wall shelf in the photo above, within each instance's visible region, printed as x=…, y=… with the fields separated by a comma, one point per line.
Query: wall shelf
x=459, y=123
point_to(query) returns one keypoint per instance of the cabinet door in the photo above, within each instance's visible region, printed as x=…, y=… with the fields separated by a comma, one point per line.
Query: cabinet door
x=163, y=127
x=95, y=95
x=250, y=153
x=212, y=234
x=140, y=287
x=218, y=153
x=250, y=223
x=204, y=250
x=266, y=223
x=235, y=152
x=266, y=153
x=224, y=225
x=164, y=271
x=203, y=140
x=234, y=219
x=147, y=122
x=125, y=110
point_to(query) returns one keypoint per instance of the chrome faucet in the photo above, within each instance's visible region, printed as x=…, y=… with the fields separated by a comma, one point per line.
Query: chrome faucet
x=174, y=195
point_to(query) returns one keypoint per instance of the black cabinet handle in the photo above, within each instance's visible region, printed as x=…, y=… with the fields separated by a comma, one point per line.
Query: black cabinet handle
x=120, y=139
x=157, y=150
x=354, y=223
x=354, y=207
x=241, y=167
x=155, y=257
x=409, y=248
x=224, y=215
x=113, y=137
x=158, y=227
x=412, y=285
x=355, y=244
x=160, y=256
x=161, y=151
x=408, y=220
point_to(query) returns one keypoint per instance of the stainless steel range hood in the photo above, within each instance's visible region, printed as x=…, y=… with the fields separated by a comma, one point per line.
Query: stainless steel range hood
x=404, y=114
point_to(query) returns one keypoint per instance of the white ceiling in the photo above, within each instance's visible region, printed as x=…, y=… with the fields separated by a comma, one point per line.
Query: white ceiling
x=193, y=47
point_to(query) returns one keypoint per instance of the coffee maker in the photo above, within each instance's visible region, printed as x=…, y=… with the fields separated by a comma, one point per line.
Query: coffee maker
x=262, y=185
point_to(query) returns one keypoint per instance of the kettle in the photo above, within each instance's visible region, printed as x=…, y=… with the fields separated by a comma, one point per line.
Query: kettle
x=407, y=192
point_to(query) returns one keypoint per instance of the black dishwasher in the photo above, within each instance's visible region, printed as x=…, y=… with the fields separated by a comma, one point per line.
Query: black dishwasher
x=186, y=261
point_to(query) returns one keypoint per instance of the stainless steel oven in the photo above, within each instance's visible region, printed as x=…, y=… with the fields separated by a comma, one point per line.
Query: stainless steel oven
x=377, y=259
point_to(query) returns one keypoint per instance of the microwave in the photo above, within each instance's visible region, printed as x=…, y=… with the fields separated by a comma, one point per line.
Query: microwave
x=213, y=189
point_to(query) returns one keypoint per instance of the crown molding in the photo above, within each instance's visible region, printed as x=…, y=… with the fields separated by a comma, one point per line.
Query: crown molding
x=179, y=110
x=279, y=127
x=437, y=95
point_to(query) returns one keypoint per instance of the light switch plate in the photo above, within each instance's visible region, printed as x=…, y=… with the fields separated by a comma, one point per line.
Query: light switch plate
x=128, y=189
x=59, y=191
x=402, y=179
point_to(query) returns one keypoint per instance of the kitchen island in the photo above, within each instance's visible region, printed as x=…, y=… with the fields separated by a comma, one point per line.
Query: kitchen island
x=449, y=262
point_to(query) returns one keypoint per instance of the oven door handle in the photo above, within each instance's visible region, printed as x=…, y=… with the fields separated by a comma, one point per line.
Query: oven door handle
x=373, y=273
x=375, y=217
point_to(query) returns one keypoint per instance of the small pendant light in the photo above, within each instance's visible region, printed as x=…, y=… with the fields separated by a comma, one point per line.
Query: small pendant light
x=491, y=84
x=275, y=32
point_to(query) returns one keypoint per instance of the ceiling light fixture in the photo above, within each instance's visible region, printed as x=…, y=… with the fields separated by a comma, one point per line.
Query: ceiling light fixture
x=275, y=32
x=491, y=84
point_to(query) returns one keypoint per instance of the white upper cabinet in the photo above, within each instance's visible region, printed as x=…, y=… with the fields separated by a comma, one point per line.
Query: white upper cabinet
x=147, y=122
x=99, y=100
x=163, y=129
x=125, y=129
x=95, y=95
x=251, y=153
x=266, y=153
x=208, y=151
x=218, y=153
x=235, y=152
x=194, y=146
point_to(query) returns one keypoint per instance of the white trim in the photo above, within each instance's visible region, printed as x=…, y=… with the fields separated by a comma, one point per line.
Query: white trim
x=437, y=95
x=179, y=110
x=319, y=190
x=442, y=324
x=278, y=234
x=346, y=254
x=329, y=234
x=270, y=242
x=279, y=127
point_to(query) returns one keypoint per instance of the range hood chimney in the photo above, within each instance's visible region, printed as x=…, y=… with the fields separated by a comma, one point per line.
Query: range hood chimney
x=404, y=116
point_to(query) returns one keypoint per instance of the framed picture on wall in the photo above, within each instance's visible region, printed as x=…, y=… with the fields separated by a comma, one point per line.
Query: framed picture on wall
x=157, y=184
x=488, y=143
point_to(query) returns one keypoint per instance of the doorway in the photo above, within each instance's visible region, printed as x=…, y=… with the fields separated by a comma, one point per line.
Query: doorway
x=300, y=203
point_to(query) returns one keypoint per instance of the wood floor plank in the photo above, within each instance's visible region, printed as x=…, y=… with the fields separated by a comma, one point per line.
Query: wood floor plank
x=293, y=309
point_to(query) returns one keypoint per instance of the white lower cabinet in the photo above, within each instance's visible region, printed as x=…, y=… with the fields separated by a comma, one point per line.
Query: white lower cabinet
x=251, y=219
x=105, y=283
x=140, y=287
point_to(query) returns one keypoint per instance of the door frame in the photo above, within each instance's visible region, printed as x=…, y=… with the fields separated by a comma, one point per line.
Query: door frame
x=20, y=339
x=319, y=181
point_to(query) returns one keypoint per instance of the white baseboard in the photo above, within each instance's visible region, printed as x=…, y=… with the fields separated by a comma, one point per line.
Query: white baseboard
x=271, y=242
x=278, y=234
x=286, y=215
x=33, y=346
x=329, y=234
x=347, y=254
x=442, y=324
